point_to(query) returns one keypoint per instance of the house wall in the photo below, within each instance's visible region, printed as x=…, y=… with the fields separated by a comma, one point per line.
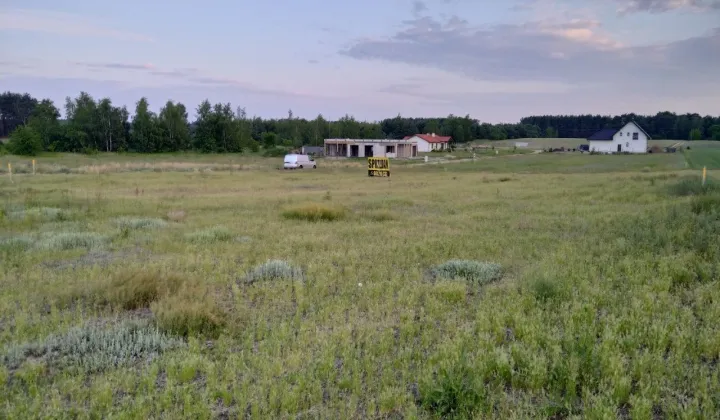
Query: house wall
x=425, y=146
x=379, y=149
x=624, y=138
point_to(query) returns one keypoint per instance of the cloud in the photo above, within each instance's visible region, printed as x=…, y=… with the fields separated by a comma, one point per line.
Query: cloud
x=575, y=52
x=120, y=66
x=419, y=7
x=661, y=6
x=60, y=23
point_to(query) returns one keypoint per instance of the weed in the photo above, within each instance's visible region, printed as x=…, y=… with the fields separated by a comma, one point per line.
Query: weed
x=61, y=241
x=544, y=290
x=15, y=244
x=274, y=270
x=93, y=349
x=315, y=212
x=211, y=235
x=474, y=272
x=709, y=203
x=39, y=213
x=691, y=185
x=177, y=216
x=454, y=392
x=134, y=223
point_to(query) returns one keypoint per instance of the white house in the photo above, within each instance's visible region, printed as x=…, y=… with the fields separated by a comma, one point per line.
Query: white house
x=631, y=138
x=360, y=148
x=429, y=142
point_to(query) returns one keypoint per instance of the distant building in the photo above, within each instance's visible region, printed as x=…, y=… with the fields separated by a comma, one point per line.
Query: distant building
x=360, y=148
x=312, y=150
x=630, y=138
x=429, y=142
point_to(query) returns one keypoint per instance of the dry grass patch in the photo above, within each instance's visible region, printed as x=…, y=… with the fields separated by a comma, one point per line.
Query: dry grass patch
x=210, y=235
x=138, y=289
x=134, y=223
x=177, y=216
x=315, y=212
x=192, y=310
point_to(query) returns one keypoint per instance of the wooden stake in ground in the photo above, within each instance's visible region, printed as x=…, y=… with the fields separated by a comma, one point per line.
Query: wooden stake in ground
x=704, y=175
x=33, y=166
x=10, y=172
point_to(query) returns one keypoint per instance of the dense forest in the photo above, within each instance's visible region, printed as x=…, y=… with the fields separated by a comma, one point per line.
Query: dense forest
x=92, y=125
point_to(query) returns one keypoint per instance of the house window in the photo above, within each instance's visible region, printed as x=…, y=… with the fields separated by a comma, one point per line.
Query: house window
x=627, y=144
x=635, y=136
x=389, y=149
x=621, y=134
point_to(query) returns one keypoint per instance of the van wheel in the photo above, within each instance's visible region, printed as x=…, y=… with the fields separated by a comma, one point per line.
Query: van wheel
x=314, y=166
x=301, y=167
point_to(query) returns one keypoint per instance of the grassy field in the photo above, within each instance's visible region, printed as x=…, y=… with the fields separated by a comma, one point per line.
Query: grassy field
x=544, y=143
x=534, y=286
x=703, y=154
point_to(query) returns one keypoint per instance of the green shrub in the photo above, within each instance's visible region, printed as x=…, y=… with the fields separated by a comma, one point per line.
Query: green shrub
x=315, y=212
x=60, y=241
x=191, y=311
x=133, y=223
x=544, y=290
x=93, y=349
x=474, y=272
x=274, y=270
x=25, y=141
x=455, y=392
x=275, y=152
x=210, y=235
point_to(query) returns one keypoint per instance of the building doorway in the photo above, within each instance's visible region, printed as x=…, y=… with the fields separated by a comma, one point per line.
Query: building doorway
x=619, y=147
x=368, y=151
x=354, y=150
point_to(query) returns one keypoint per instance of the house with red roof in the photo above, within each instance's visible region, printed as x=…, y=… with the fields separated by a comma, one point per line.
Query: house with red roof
x=429, y=142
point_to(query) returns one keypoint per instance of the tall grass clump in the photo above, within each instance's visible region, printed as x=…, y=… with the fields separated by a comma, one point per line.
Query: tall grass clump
x=274, y=270
x=192, y=310
x=94, y=349
x=692, y=185
x=476, y=273
x=137, y=289
x=210, y=235
x=61, y=241
x=315, y=212
x=455, y=391
x=133, y=223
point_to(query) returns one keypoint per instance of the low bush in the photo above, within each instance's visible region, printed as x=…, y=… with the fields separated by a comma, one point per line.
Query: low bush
x=474, y=272
x=61, y=241
x=274, y=270
x=93, y=349
x=210, y=235
x=315, y=212
x=133, y=223
x=191, y=311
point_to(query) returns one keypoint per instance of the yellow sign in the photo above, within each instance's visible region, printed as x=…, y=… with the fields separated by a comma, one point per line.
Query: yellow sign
x=704, y=174
x=378, y=166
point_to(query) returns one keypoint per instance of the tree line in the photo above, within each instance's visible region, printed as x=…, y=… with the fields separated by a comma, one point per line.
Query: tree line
x=92, y=125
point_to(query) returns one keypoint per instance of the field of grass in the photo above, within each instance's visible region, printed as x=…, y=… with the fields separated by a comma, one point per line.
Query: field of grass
x=544, y=143
x=703, y=154
x=534, y=286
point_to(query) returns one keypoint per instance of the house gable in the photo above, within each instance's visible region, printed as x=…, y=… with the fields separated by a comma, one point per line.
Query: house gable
x=431, y=138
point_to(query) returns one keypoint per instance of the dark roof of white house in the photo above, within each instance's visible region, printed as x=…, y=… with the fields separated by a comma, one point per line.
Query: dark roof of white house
x=608, y=133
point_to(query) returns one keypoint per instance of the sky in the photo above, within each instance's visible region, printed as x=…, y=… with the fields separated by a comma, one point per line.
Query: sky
x=494, y=60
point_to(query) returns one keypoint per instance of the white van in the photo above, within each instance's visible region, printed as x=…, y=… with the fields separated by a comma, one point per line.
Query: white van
x=299, y=162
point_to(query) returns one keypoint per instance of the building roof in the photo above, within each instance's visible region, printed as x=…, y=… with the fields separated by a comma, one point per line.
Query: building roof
x=609, y=133
x=431, y=138
x=604, y=134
